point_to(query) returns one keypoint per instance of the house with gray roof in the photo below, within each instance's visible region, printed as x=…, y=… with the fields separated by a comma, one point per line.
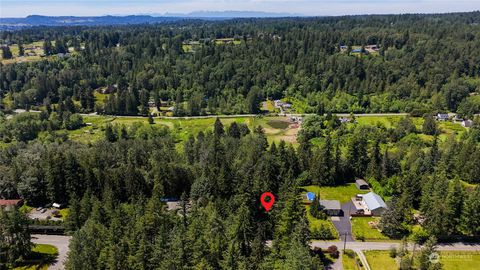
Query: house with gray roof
x=361, y=184
x=374, y=204
x=331, y=207
x=442, y=117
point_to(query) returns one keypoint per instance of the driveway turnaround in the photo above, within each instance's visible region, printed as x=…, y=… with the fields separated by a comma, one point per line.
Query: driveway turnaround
x=60, y=242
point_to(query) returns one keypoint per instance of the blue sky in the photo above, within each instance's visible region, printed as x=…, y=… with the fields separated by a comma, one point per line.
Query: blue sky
x=20, y=8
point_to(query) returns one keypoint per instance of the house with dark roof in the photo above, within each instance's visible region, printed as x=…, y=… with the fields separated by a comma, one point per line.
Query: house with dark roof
x=361, y=184
x=332, y=207
x=374, y=204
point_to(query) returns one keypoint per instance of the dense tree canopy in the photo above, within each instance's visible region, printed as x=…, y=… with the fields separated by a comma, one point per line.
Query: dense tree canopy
x=425, y=62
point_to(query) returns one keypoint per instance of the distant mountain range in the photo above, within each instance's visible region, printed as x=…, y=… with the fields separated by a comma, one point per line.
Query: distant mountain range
x=231, y=14
x=37, y=20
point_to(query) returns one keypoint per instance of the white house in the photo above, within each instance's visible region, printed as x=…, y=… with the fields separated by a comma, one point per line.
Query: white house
x=374, y=204
x=442, y=117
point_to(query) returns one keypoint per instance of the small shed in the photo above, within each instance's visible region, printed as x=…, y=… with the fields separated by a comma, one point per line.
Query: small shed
x=361, y=184
x=58, y=205
x=374, y=203
x=332, y=207
x=467, y=123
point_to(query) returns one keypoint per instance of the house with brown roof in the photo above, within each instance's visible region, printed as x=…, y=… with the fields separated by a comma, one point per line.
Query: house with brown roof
x=9, y=204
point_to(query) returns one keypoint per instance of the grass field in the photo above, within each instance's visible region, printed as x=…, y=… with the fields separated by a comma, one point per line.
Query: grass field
x=361, y=228
x=387, y=121
x=276, y=128
x=342, y=193
x=460, y=260
x=380, y=260
x=42, y=256
x=451, y=260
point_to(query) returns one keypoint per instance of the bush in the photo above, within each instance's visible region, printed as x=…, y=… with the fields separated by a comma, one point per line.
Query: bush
x=323, y=233
x=333, y=251
x=393, y=252
x=361, y=237
x=349, y=253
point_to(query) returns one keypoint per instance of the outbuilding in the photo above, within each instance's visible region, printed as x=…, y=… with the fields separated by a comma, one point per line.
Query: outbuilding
x=10, y=204
x=310, y=196
x=361, y=184
x=467, y=123
x=331, y=207
x=374, y=204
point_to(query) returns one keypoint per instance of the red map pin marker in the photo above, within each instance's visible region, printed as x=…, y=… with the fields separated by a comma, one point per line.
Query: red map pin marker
x=267, y=205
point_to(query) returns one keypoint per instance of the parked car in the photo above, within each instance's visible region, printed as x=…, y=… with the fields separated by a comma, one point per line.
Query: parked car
x=43, y=210
x=39, y=208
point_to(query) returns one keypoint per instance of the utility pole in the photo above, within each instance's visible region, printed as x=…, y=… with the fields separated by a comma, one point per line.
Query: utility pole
x=344, y=242
x=413, y=252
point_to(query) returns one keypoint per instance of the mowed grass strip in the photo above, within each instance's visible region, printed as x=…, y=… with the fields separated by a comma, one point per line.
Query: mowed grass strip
x=460, y=260
x=380, y=260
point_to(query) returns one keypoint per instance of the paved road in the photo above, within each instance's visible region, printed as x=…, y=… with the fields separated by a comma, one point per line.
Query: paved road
x=342, y=224
x=61, y=242
x=388, y=245
x=253, y=115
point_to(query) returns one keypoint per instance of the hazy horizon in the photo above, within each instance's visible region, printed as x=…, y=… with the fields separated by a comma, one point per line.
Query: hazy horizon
x=19, y=8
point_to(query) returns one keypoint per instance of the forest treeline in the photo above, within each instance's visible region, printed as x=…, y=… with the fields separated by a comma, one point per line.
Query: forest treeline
x=116, y=188
x=425, y=63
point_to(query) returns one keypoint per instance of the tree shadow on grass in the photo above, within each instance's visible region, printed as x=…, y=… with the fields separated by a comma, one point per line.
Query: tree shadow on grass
x=37, y=261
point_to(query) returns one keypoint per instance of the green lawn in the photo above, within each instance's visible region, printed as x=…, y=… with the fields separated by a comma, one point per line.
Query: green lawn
x=278, y=124
x=25, y=208
x=315, y=224
x=42, y=256
x=99, y=97
x=380, y=260
x=451, y=260
x=270, y=105
x=342, y=193
x=460, y=260
x=64, y=213
x=387, y=121
x=361, y=228
x=348, y=260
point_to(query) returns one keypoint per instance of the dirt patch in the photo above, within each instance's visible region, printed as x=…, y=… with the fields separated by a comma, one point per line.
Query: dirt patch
x=290, y=135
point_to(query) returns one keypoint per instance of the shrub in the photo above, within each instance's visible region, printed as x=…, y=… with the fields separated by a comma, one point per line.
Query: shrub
x=361, y=237
x=393, y=252
x=333, y=251
x=323, y=232
x=349, y=253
